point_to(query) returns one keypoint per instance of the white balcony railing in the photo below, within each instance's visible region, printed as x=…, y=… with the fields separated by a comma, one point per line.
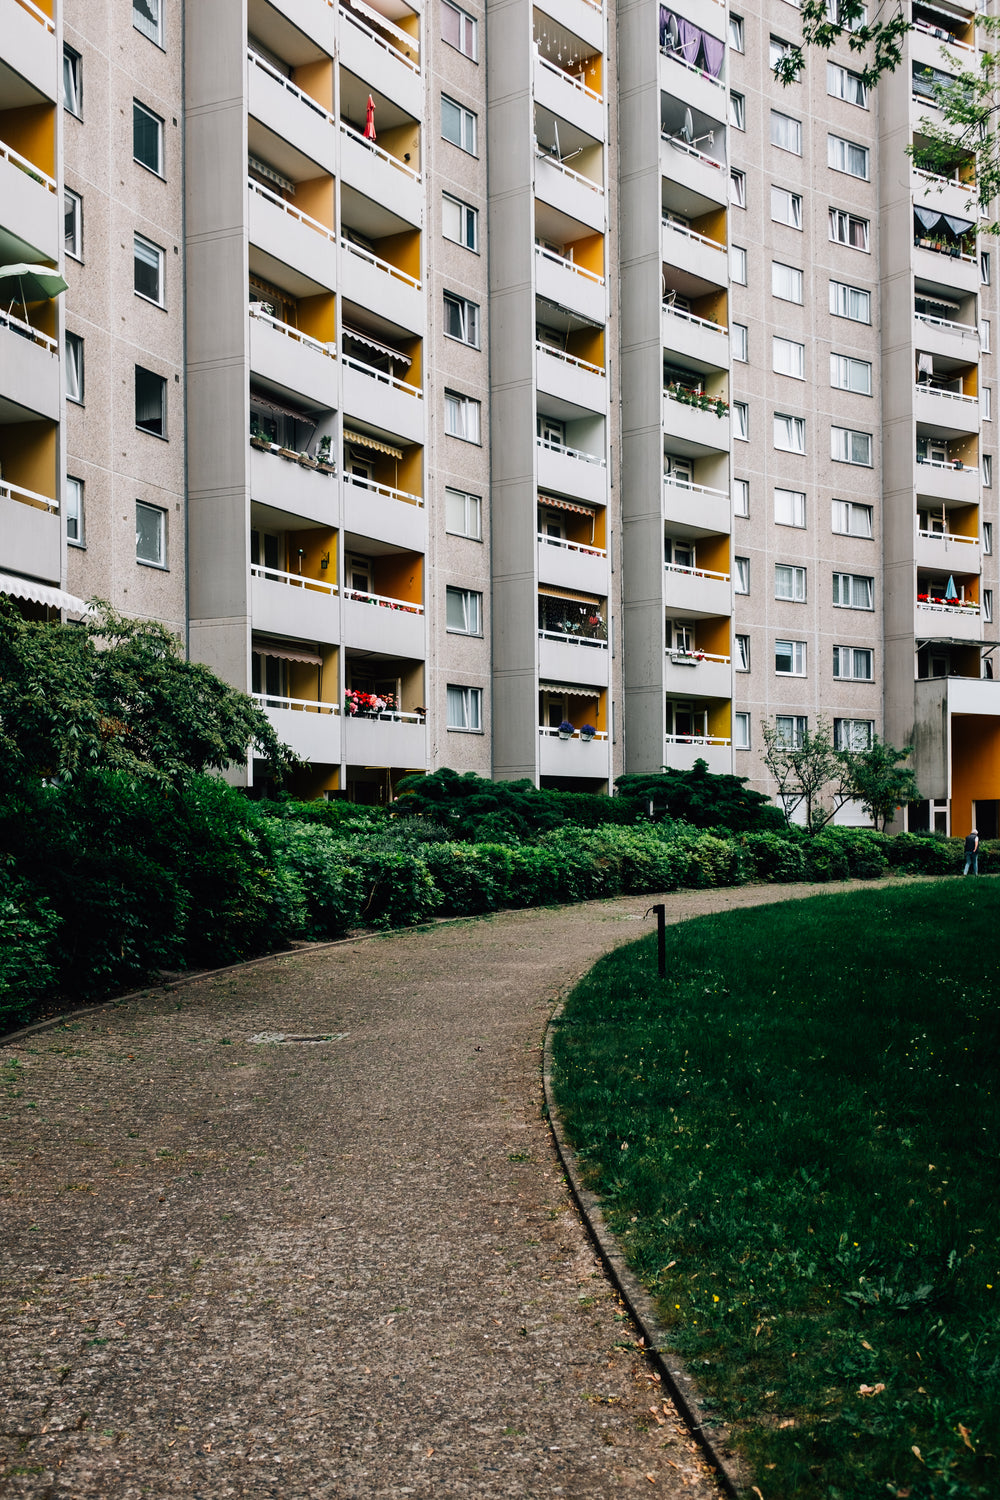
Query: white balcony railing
x=581, y=547
x=682, y=61
x=373, y=260
x=565, y=77
x=971, y=610
x=569, y=265
x=695, y=739
x=939, y=33
x=682, y=145
x=387, y=156
x=25, y=331
x=695, y=572
x=290, y=209
x=947, y=536
x=694, y=656
x=554, y=734
x=384, y=601
x=7, y=153
x=587, y=458
x=39, y=15
x=935, y=179
x=554, y=161
x=286, y=83
x=697, y=489
x=572, y=640
x=295, y=334
x=570, y=359
x=691, y=234
x=380, y=41
x=944, y=463
x=690, y=317
x=383, y=489
x=17, y=492
x=302, y=705
x=933, y=390
x=389, y=716
x=950, y=323
x=383, y=376
x=292, y=580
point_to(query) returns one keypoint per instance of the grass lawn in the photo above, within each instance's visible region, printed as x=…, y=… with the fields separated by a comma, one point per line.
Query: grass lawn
x=796, y=1137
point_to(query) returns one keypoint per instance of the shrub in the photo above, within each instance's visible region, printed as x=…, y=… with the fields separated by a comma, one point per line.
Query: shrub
x=826, y=858
x=28, y=931
x=776, y=858
x=925, y=853
x=864, y=849
x=394, y=889
x=329, y=886
x=703, y=799
x=469, y=878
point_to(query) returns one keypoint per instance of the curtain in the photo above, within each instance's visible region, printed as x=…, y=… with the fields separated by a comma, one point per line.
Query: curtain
x=713, y=51
x=927, y=219
x=689, y=39
x=956, y=227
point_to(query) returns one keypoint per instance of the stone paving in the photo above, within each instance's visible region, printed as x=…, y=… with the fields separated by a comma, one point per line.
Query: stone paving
x=340, y=1264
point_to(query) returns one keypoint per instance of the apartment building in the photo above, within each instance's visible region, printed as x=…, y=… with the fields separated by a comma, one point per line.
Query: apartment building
x=540, y=390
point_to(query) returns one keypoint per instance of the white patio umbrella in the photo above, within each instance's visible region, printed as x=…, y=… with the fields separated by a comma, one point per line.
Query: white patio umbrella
x=30, y=283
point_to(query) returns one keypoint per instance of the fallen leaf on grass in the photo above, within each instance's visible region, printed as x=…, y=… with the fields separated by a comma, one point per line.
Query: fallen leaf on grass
x=964, y=1433
x=871, y=1390
x=656, y=1416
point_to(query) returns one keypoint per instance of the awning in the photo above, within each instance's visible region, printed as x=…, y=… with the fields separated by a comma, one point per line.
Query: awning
x=290, y=653
x=393, y=354
x=572, y=594
x=362, y=440
x=378, y=19
x=283, y=411
x=931, y=219
x=548, y=503
x=42, y=593
x=263, y=170
x=937, y=301
x=571, y=690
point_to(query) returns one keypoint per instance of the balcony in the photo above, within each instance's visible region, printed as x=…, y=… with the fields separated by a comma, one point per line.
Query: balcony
x=700, y=174
x=938, y=551
x=696, y=509
x=681, y=752
x=568, y=98
x=306, y=495
x=945, y=414
x=939, y=619
x=692, y=84
x=570, y=471
x=956, y=483
x=571, y=565
x=394, y=65
x=382, y=400
x=573, y=756
x=949, y=194
x=584, y=18
x=291, y=236
x=562, y=281
x=694, y=430
x=696, y=592
x=696, y=338
x=695, y=254
x=29, y=206
x=29, y=44
x=290, y=113
x=389, y=739
x=288, y=604
x=946, y=267
x=563, y=658
x=29, y=367
x=377, y=174
x=291, y=359
x=311, y=728
x=392, y=627
x=30, y=533
x=570, y=192
x=384, y=514
x=697, y=674
x=946, y=337
x=570, y=379
x=381, y=287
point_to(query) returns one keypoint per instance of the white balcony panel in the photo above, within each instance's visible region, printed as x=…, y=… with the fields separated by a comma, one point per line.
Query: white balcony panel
x=301, y=494
x=312, y=734
x=573, y=661
x=316, y=19
x=694, y=431
x=937, y=623
x=375, y=627
x=582, y=17
x=947, y=270
x=385, y=742
x=309, y=129
x=926, y=49
x=692, y=596
x=692, y=88
x=707, y=344
x=573, y=757
x=376, y=178
x=966, y=695
x=365, y=58
x=711, y=17
x=29, y=373
x=570, y=194
x=557, y=93
x=562, y=474
x=299, y=367
x=930, y=191
x=951, y=414
x=382, y=293
x=293, y=243
x=29, y=47
x=942, y=552
x=947, y=339
x=280, y=608
x=698, y=514
x=30, y=211
x=30, y=540
x=682, y=757
x=570, y=568
x=956, y=486
x=580, y=385
x=558, y=282
x=372, y=400
x=687, y=677
x=692, y=255
x=702, y=177
x=383, y=518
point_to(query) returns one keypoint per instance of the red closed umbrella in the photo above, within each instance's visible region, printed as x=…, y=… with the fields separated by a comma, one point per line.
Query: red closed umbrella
x=370, y=120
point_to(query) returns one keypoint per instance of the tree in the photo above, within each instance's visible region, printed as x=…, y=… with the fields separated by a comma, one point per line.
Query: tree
x=701, y=798
x=117, y=694
x=879, y=781
x=809, y=773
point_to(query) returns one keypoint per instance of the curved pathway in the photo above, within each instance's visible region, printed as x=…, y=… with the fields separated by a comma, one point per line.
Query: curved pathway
x=345, y=1265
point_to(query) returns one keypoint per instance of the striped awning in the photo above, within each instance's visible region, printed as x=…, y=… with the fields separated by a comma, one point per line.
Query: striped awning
x=42, y=593
x=379, y=19
x=578, y=510
x=362, y=440
x=392, y=354
x=572, y=594
x=569, y=689
x=256, y=399
x=288, y=653
x=263, y=170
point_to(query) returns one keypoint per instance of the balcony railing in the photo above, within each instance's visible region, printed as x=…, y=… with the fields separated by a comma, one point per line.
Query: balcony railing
x=581, y=547
x=575, y=83
x=383, y=489
x=569, y=265
x=383, y=376
x=947, y=536
x=941, y=605
x=941, y=35
x=291, y=210
x=695, y=572
x=384, y=601
x=572, y=640
x=376, y=261
x=390, y=716
x=555, y=734
x=694, y=656
x=946, y=463
x=934, y=390
x=697, y=489
x=587, y=458
x=569, y=359
x=554, y=161
x=682, y=145
x=25, y=331
x=373, y=36
x=696, y=739
x=7, y=153
x=39, y=15
x=700, y=400
x=292, y=580
x=301, y=705
x=17, y=492
x=934, y=246
x=292, y=88
x=296, y=334
x=936, y=180
x=946, y=323
x=690, y=317
x=691, y=234
x=387, y=156
x=682, y=62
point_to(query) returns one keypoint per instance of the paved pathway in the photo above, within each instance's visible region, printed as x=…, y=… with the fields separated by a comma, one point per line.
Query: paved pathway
x=344, y=1267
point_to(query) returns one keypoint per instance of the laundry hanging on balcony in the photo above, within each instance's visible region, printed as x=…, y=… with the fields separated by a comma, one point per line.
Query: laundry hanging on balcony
x=930, y=221
x=696, y=47
x=370, y=120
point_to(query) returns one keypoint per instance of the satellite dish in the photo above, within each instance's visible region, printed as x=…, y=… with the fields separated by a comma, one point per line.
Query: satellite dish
x=673, y=34
x=687, y=130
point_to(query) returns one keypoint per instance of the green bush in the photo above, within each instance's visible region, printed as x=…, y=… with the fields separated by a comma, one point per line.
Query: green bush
x=702, y=799
x=28, y=933
x=394, y=889
x=865, y=851
x=470, y=878
x=826, y=858
x=775, y=857
x=329, y=887
x=925, y=854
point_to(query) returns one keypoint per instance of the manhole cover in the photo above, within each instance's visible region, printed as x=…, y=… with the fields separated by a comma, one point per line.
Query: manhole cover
x=286, y=1037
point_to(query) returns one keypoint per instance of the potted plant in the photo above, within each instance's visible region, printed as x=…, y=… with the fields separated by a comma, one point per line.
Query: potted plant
x=587, y=732
x=566, y=730
x=307, y=462
x=324, y=456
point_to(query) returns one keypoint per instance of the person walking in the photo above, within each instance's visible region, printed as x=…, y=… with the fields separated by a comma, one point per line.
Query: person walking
x=972, y=852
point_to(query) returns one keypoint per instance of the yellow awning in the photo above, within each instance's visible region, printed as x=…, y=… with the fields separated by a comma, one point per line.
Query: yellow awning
x=362, y=440
x=549, y=503
x=289, y=653
x=549, y=592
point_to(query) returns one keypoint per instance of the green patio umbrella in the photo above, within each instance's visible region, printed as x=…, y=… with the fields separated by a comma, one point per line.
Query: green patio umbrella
x=30, y=283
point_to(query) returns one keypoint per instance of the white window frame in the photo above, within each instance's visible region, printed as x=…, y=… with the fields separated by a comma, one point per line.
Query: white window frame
x=790, y=508
x=789, y=433
x=795, y=655
x=741, y=659
x=986, y=403
x=985, y=267
x=159, y=516
x=148, y=254
x=788, y=357
x=737, y=187
x=853, y=734
x=842, y=517
x=741, y=497
x=842, y=226
x=467, y=314
x=138, y=108
x=850, y=374
x=851, y=446
x=468, y=222
x=790, y=583
x=791, y=729
x=73, y=216
x=73, y=507
x=776, y=50
x=468, y=30
x=741, y=730
x=465, y=709
x=984, y=335
x=739, y=342
x=786, y=132
x=737, y=265
x=839, y=158
x=988, y=538
x=988, y=606
x=150, y=26
x=737, y=41
x=846, y=660
x=786, y=207
x=986, y=470
x=463, y=611
x=72, y=82
x=741, y=421
x=839, y=83
x=462, y=417
x=470, y=522
x=741, y=575
x=74, y=362
x=853, y=591
x=737, y=110
x=851, y=302
x=791, y=278
x=467, y=125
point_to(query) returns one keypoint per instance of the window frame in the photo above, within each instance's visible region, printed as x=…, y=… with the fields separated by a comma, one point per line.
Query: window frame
x=741, y=487
x=846, y=583
x=796, y=508
x=72, y=74
x=737, y=110
x=796, y=583
x=798, y=725
x=797, y=656
x=741, y=575
x=474, y=510
x=842, y=217
x=75, y=362
x=988, y=538
x=737, y=187
x=832, y=67
x=850, y=507
x=739, y=340
x=793, y=374
x=74, y=511
x=863, y=296
x=153, y=510
x=741, y=730
x=454, y=401
x=468, y=313
x=988, y=606
x=76, y=199
x=161, y=272
x=468, y=216
x=157, y=37
x=736, y=35
x=150, y=431
x=795, y=427
x=741, y=654
x=795, y=133
x=850, y=433
x=849, y=655
x=739, y=254
x=777, y=49
x=794, y=218
x=843, y=733
x=794, y=271
x=471, y=602
x=468, y=122
x=465, y=20
x=846, y=363
x=471, y=697
x=138, y=108
x=740, y=411
x=837, y=160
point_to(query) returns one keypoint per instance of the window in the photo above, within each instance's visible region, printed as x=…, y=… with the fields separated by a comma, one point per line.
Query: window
x=464, y=612
x=150, y=402
x=988, y=605
x=73, y=223
x=461, y=417
x=988, y=538
x=74, y=511
x=850, y=447
x=985, y=267
x=147, y=138
x=737, y=110
x=788, y=358
x=841, y=83
x=852, y=664
x=460, y=222
x=853, y=591
x=741, y=497
x=786, y=282
x=147, y=17
x=848, y=229
x=851, y=519
x=741, y=575
x=777, y=49
x=984, y=335
x=463, y=514
x=853, y=734
x=74, y=367
x=736, y=32
x=738, y=187
x=461, y=319
x=738, y=335
x=789, y=583
x=836, y=15
x=150, y=535
x=850, y=302
x=789, y=433
x=986, y=401
x=742, y=663
x=986, y=464
x=737, y=265
x=741, y=731
x=847, y=374
x=790, y=658
x=791, y=730
x=845, y=156
x=786, y=133
x=148, y=270
x=741, y=421
x=458, y=28
x=786, y=207
x=789, y=508
x=465, y=708
x=458, y=125
x=73, y=82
